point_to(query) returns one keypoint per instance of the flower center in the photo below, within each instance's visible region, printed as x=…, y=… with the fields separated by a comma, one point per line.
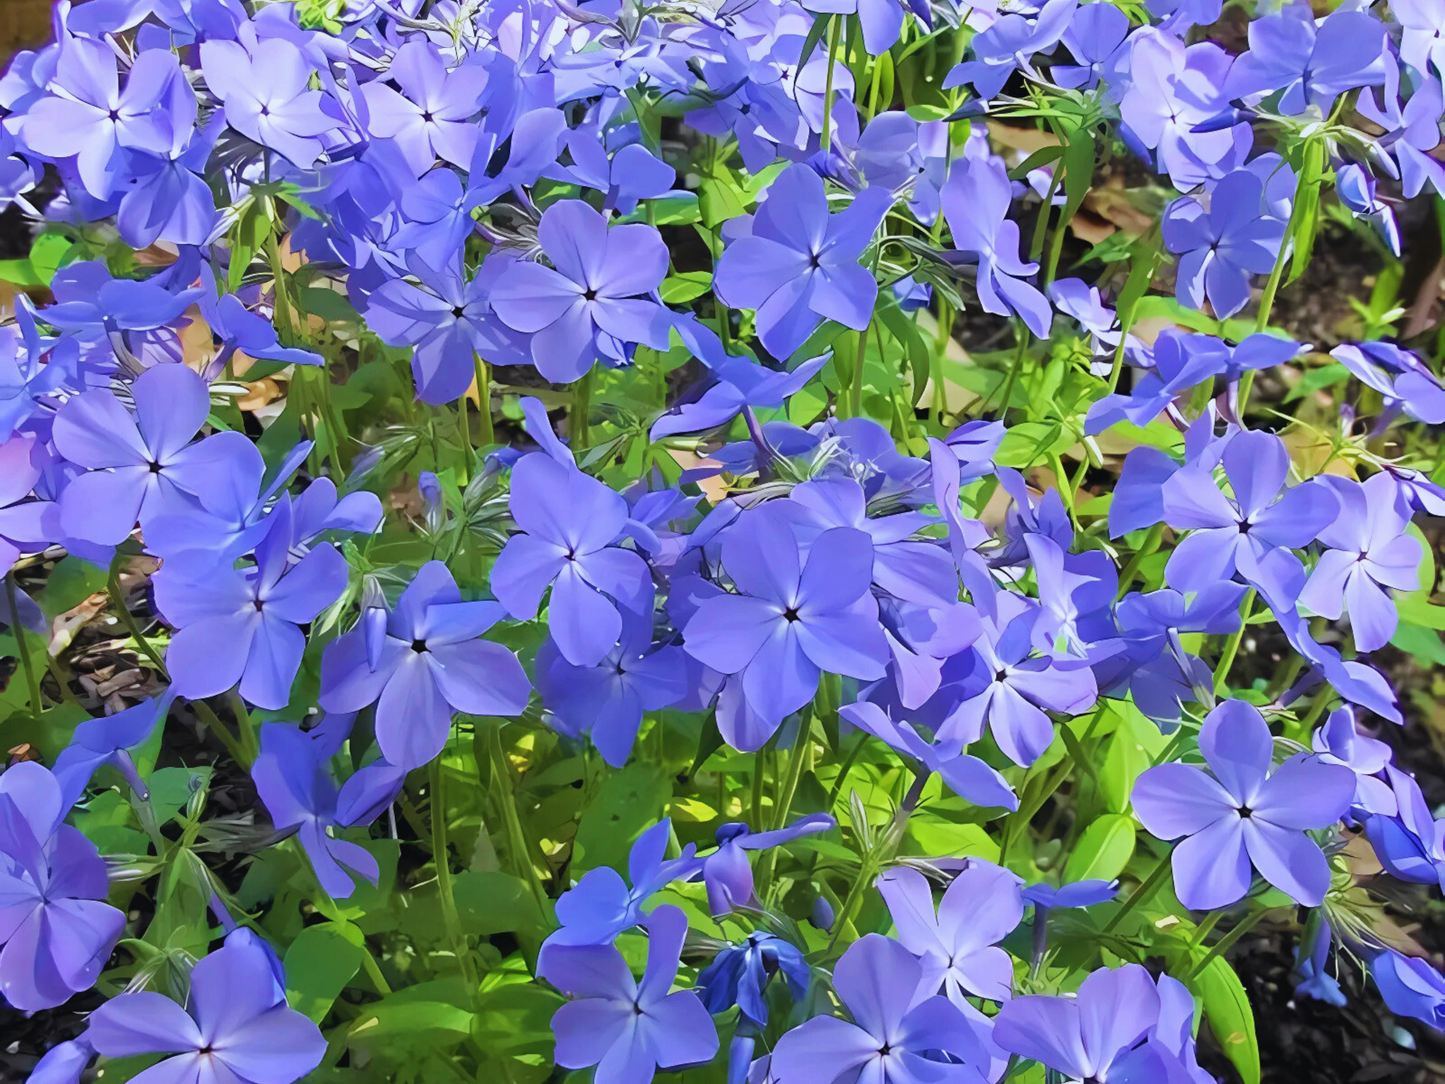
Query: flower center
x=419, y=646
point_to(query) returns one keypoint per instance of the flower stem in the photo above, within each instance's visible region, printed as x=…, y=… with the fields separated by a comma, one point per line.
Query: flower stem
x=440, y=857
x=17, y=629
x=833, y=29
x=485, y=436
x=1141, y=894
x=233, y=745
x=855, y=393
x=117, y=599
x=581, y=412
x=1227, y=942
x=1231, y=647
x=1148, y=547
x=507, y=797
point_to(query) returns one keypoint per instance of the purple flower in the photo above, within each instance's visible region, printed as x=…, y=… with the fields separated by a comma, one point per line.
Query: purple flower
x=139, y=466
x=571, y=523
x=628, y=1029
x=594, y=304
x=633, y=173
x=97, y=742
x=794, y=619
x=913, y=569
x=796, y=264
x=1368, y=554
x=727, y=872
x=971, y=778
x=1181, y=361
x=91, y=117
x=430, y=664
x=1171, y=92
x=1404, y=382
x=1008, y=44
x=958, y=946
x=450, y=321
x=55, y=926
x=239, y=328
x=740, y=383
x=1229, y=534
x=1340, y=742
x=601, y=906
x=1221, y=248
x=243, y=626
x=1311, y=63
x=432, y=115
x=739, y=975
x=1003, y=686
x=881, y=20
x=1088, y=893
x=976, y=200
x=1356, y=188
x=1243, y=813
x=1312, y=966
x=236, y=1026
x=292, y=782
x=608, y=700
x=1409, y=986
x=1156, y=668
x=267, y=97
x=896, y=1036
x=1093, y=35
x=1106, y=1033
x=1409, y=843
x=24, y=523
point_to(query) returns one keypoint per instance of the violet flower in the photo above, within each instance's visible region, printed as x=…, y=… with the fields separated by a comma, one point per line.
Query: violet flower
x=56, y=928
x=594, y=301
x=628, y=1029
x=896, y=1037
x=430, y=663
x=797, y=264
x=1243, y=813
x=235, y=1027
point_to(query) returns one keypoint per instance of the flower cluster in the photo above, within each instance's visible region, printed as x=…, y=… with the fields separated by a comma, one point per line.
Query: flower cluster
x=933, y=638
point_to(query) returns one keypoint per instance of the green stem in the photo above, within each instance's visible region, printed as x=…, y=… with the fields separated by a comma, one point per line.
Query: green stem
x=484, y=400
x=17, y=628
x=837, y=790
x=1141, y=894
x=1061, y=478
x=833, y=29
x=1210, y=921
x=1149, y=546
x=796, y=759
x=222, y=731
x=441, y=859
x=872, y=863
x=516, y=838
x=117, y=599
x=855, y=394
x=1227, y=942
x=577, y=427
x=1231, y=647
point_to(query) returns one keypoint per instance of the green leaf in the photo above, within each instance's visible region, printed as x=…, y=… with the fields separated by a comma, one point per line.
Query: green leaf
x=680, y=288
x=49, y=253
x=719, y=199
x=399, y=1022
x=490, y=901
x=19, y=273
x=627, y=803
x=319, y=964
x=1230, y=1017
x=1103, y=850
x=1132, y=749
